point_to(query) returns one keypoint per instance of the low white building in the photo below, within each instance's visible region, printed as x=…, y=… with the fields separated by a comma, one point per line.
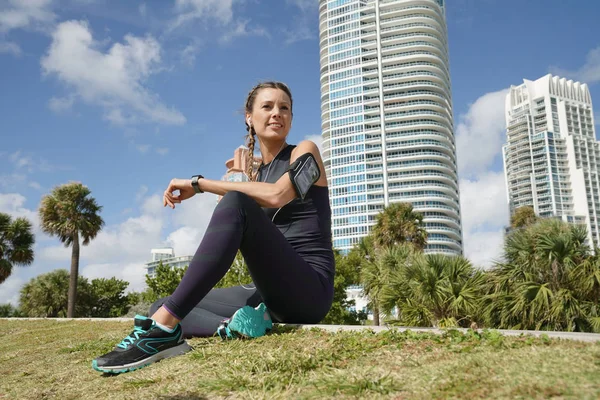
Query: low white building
x=355, y=292
x=166, y=255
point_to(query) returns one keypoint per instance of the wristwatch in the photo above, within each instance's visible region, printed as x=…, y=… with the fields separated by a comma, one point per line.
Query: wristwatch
x=195, y=183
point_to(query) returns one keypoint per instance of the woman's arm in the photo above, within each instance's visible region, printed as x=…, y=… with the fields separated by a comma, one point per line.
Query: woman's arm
x=272, y=195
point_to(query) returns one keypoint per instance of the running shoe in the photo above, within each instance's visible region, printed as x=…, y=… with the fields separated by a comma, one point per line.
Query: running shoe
x=148, y=343
x=247, y=322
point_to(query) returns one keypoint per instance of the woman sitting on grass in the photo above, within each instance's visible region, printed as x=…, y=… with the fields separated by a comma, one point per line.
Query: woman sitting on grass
x=281, y=223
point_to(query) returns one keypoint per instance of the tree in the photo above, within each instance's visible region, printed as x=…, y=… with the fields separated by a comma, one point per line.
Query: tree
x=16, y=244
x=548, y=280
x=398, y=223
x=108, y=299
x=522, y=217
x=8, y=311
x=69, y=212
x=374, y=276
x=47, y=296
x=237, y=275
x=368, y=272
x=165, y=281
x=433, y=290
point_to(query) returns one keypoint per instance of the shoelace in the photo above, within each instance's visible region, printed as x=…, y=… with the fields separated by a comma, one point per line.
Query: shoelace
x=137, y=331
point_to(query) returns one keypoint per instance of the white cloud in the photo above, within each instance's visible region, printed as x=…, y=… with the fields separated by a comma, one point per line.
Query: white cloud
x=483, y=201
x=142, y=148
x=26, y=162
x=13, y=180
x=10, y=48
x=306, y=6
x=13, y=204
x=203, y=10
x=189, y=53
x=484, y=208
x=484, y=216
x=316, y=139
x=141, y=193
x=114, y=79
x=480, y=134
x=35, y=185
x=162, y=151
x=61, y=104
x=303, y=26
x=153, y=205
x=20, y=160
x=589, y=73
x=23, y=166
x=239, y=29
x=132, y=273
x=25, y=14
x=211, y=14
x=143, y=10
x=10, y=288
x=483, y=249
x=185, y=240
x=196, y=212
x=121, y=250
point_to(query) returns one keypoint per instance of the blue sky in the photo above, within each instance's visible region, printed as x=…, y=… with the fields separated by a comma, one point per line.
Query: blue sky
x=124, y=96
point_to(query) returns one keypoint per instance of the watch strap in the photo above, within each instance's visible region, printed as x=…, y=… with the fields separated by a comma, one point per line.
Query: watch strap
x=195, y=183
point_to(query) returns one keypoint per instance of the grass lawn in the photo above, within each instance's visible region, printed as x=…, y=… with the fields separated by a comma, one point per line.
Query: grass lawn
x=51, y=359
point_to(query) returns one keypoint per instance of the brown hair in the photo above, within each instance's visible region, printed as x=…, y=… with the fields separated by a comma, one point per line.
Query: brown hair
x=250, y=139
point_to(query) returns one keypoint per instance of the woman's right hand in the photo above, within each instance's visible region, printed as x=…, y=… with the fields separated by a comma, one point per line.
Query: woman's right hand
x=185, y=192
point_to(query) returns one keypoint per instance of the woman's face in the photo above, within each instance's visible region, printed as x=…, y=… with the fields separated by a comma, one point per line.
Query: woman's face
x=271, y=114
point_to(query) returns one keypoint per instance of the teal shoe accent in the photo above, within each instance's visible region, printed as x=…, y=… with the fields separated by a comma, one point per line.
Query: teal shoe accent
x=249, y=322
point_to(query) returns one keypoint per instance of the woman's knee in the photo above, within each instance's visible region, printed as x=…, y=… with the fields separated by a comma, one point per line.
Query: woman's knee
x=234, y=197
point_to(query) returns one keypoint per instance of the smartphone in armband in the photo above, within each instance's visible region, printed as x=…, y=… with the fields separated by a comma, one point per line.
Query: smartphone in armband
x=304, y=172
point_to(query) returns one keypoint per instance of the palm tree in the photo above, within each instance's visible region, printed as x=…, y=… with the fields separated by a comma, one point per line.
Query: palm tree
x=548, y=280
x=70, y=212
x=368, y=272
x=374, y=273
x=16, y=244
x=434, y=290
x=398, y=223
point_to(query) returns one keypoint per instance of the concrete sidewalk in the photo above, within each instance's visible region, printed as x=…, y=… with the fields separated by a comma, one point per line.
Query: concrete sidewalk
x=577, y=336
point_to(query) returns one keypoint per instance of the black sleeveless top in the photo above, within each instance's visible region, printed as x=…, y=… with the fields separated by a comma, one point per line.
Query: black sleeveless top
x=306, y=224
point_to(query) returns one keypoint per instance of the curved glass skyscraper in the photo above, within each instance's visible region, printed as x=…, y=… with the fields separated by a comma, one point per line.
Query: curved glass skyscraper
x=387, y=116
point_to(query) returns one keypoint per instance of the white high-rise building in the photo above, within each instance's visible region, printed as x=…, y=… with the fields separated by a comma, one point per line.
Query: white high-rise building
x=552, y=157
x=386, y=113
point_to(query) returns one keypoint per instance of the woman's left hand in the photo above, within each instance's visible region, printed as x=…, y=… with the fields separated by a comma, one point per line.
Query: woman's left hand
x=185, y=192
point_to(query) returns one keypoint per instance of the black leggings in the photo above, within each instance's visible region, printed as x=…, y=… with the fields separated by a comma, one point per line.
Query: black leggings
x=290, y=287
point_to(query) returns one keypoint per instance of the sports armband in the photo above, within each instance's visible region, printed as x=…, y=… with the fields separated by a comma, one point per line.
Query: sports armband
x=304, y=172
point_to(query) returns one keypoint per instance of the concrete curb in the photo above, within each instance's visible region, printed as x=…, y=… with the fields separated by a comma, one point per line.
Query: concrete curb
x=576, y=336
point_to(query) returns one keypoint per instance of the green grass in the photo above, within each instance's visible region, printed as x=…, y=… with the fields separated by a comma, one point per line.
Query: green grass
x=50, y=359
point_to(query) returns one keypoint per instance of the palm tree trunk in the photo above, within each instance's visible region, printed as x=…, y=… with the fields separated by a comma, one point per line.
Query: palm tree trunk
x=376, y=315
x=73, y=276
